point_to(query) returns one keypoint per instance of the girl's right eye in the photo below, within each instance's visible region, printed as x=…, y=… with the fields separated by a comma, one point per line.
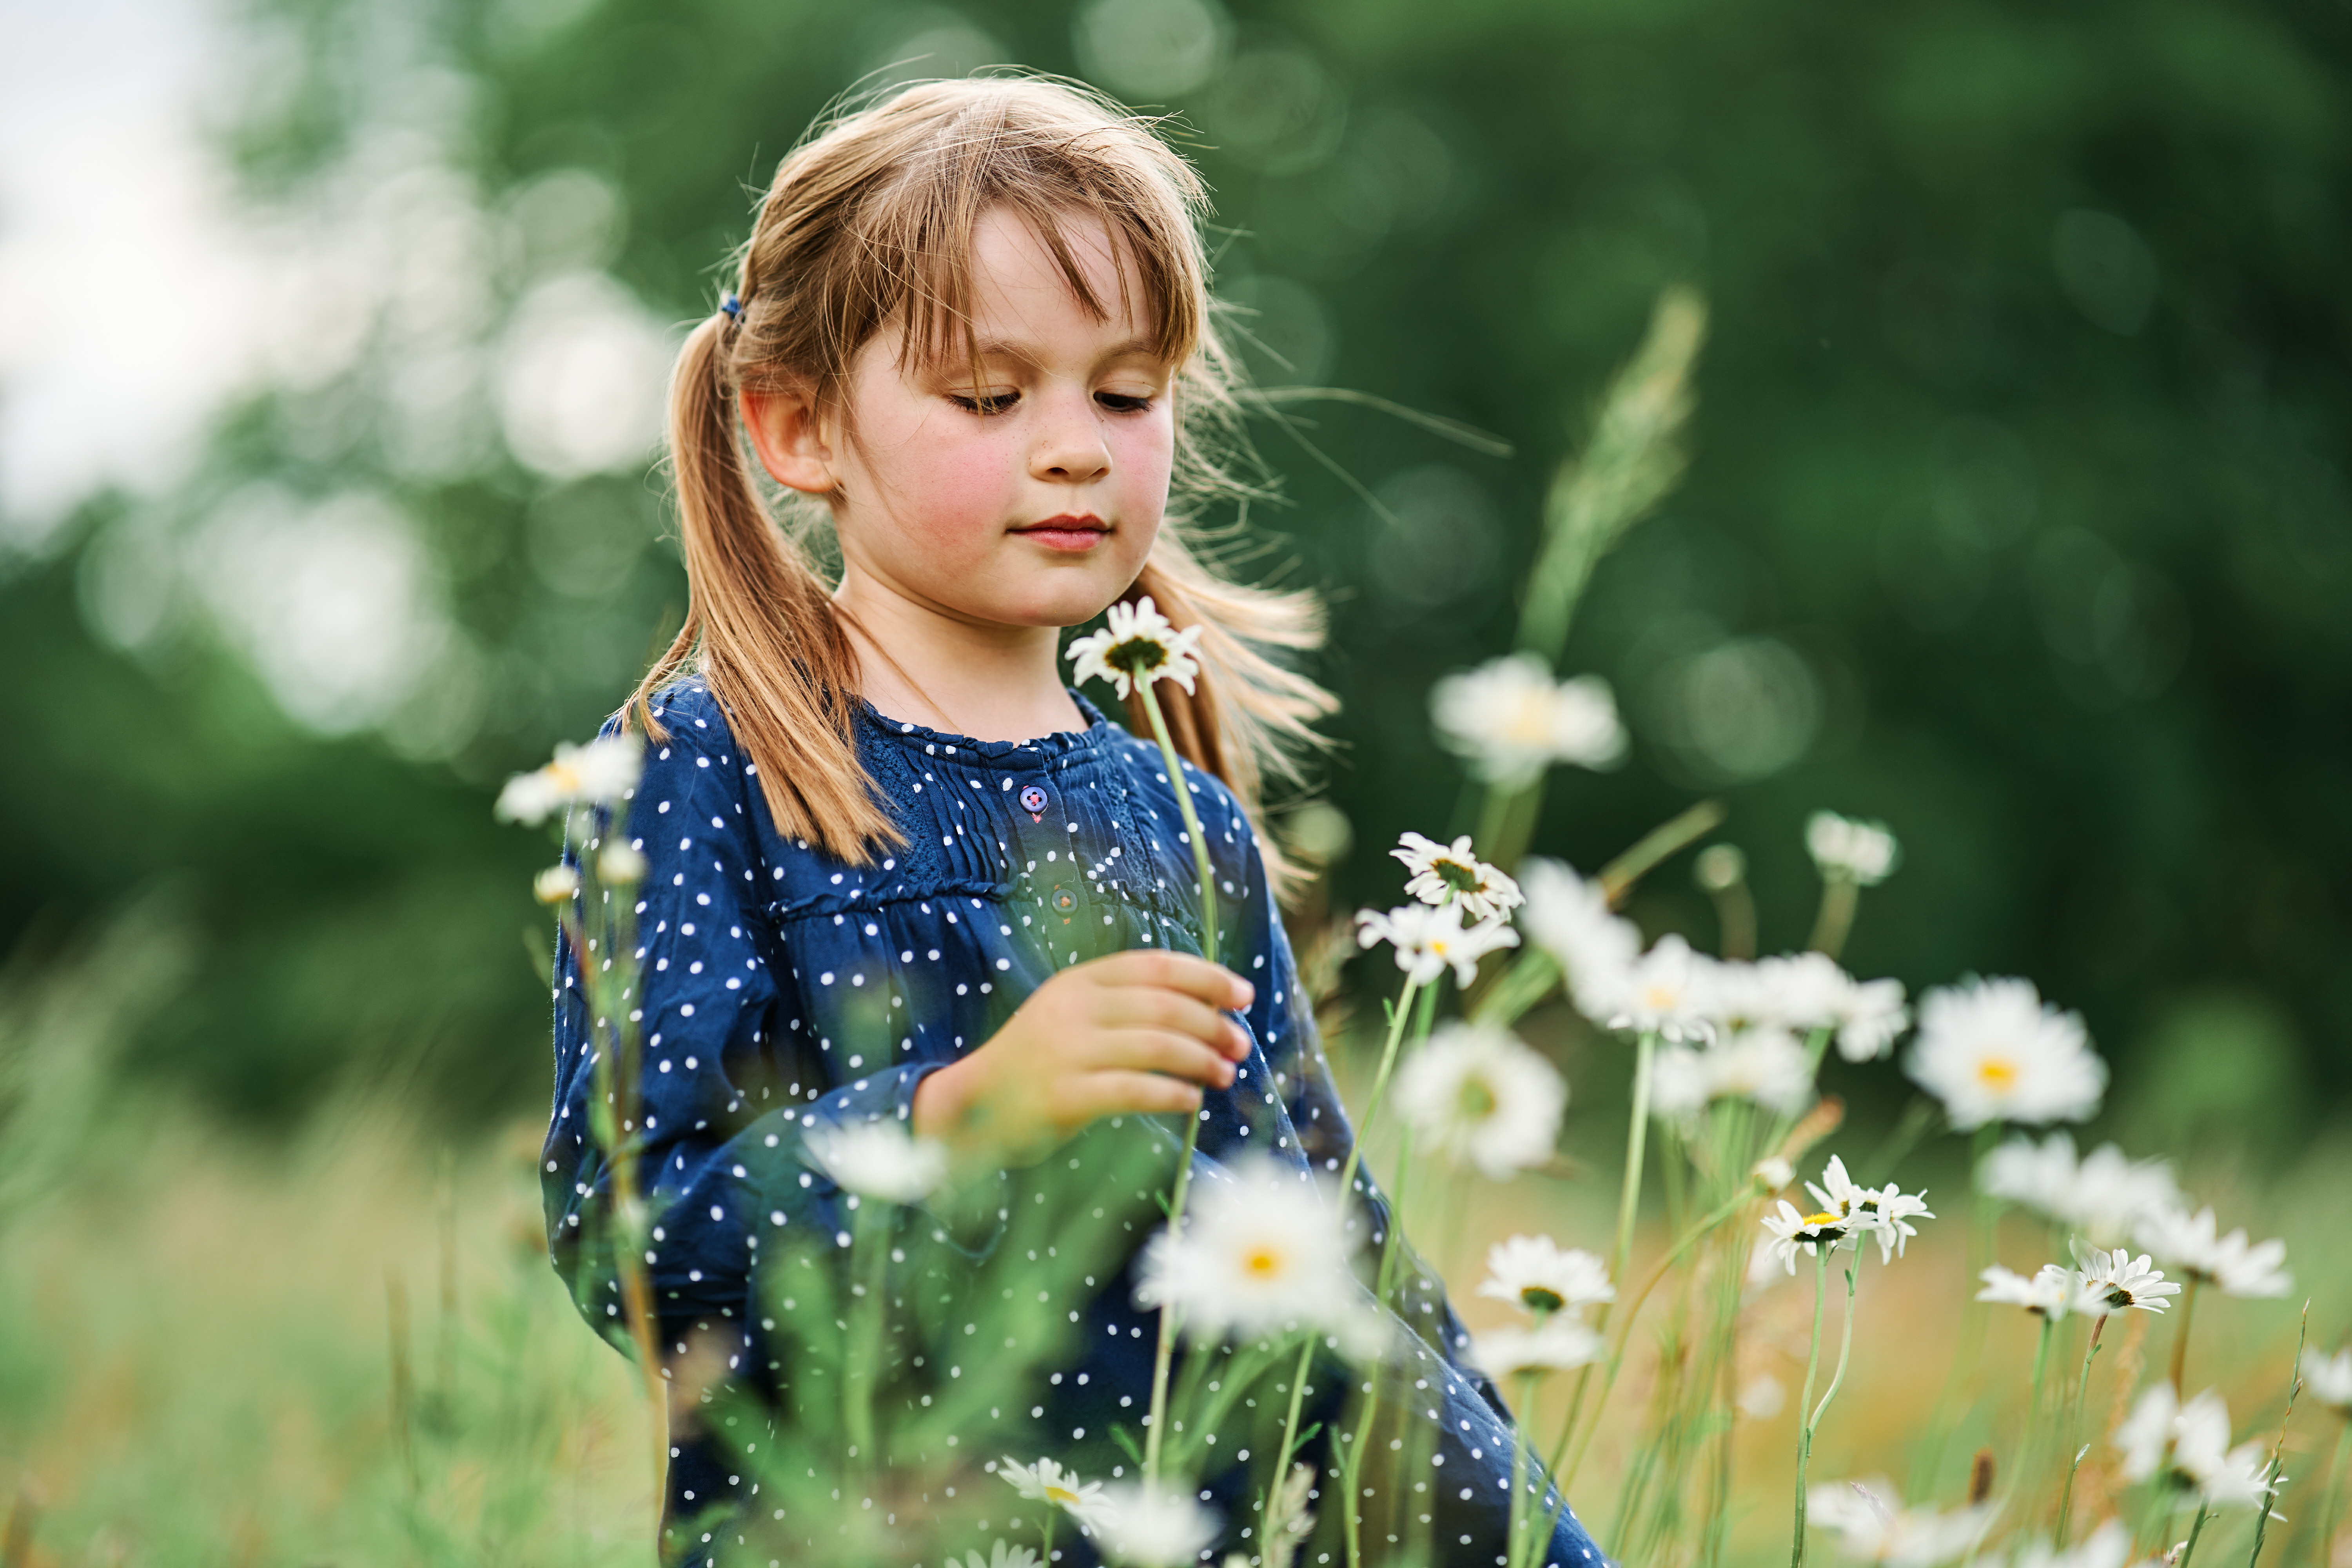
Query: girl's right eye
x=985, y=401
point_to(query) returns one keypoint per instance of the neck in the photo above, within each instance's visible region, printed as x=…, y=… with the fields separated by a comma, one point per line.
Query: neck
x=919, y=662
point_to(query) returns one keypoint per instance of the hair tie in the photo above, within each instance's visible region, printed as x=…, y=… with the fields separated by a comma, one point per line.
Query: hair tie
x=732, y=308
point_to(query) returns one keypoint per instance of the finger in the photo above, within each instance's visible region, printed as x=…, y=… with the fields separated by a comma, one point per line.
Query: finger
x=1097, y=1094
x=1196, y=977
x=1153, y=1007
x=1156, y=1050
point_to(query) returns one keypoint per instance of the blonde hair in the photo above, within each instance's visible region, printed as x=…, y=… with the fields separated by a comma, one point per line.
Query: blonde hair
x=869, y=222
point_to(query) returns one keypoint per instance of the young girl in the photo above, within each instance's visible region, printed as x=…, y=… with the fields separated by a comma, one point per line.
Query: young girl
x=973, y=322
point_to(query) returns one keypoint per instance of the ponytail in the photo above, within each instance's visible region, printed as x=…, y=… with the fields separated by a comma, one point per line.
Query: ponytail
x=759, y=627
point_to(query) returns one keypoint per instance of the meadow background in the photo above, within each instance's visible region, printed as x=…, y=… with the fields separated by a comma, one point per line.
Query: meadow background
x=331, y=342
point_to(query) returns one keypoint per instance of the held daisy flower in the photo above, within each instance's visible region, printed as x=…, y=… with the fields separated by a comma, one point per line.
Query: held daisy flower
x=1789, y=1233
x=1452, y=874
x=879, y=1160
x=1862, y=853
x=1428, y=939
x=1476, y=1096
x=1047, y=1482
x=2189, y=1243
x=1872, y=1527
x=2329, y=1378
x=2114, y=1282
x=1137, y=647
x=1532, y=1272
x=1569, y=919
x=1559, y=1344
x=2049, y=1294
x=1512, y=720
x=1146, y=1526
x=1262, y=1252
x=1991, y=1050
x=597, y=774
x=2103, y=1195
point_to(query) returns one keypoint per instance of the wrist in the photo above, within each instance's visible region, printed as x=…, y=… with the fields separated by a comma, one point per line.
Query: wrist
x=940, y=1100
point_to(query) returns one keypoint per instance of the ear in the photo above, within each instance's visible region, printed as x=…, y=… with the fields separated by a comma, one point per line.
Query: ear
x=794, y=439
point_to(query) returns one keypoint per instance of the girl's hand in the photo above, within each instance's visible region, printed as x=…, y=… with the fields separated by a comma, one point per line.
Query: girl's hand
x=1133, y=1032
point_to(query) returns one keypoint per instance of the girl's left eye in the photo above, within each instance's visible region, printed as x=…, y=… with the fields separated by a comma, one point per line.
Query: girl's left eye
x=1124, y=402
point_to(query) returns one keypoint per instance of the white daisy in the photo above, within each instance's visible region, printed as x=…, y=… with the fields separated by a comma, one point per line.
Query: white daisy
x=1428, y=939
x=1475, y=1095
x=556, y=884
x=2103, y=1195
x=621, y=866
x=1000, y=1556
x=1569, y=919
x=2329, y=1378
x=879, y=1160
x=2049, y=1294
x=1885, y=1212
x=597, y=774
x=1773, y=1173
x=1512, y=720
x=2189, y=1243
x=1047, y=1482
x=1531, y=1271
x=1992, y=1051
x=1557, y=1344
x=1443, y=873
x=1764, y=1065
x=1263, y=1250
x=1789, y=1233
x=1137, y=647
x=1795, y=991
x=1872, y=1527
x=1668, y=992
x=2113, y=1282
x=2109, y=1546
x=2186, y=1446
x=1870, y=1018
x=1144, y=1527
x=1862, y=853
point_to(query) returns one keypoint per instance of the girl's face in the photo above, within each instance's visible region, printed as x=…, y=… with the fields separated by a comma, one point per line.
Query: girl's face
x=1025, y=490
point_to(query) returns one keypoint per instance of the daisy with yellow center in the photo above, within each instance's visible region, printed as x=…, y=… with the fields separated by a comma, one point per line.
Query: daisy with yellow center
x=1993, y=1050
x=1476, y=1096
x=601, y=772
x=1512, y=720
x=1261, y=1252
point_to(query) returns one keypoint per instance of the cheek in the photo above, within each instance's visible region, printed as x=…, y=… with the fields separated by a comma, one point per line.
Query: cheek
x=948, y=494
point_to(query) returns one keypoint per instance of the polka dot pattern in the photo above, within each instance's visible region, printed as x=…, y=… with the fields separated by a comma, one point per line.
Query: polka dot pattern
x=784, y=990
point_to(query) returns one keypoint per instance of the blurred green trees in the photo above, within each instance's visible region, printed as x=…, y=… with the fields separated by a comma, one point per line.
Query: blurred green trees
x=2018, y=516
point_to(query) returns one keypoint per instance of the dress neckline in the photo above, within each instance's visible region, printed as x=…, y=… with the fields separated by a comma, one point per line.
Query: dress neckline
x=1062, y=742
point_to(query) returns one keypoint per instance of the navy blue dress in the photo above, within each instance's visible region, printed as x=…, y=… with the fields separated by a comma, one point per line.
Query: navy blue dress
x=785, y=989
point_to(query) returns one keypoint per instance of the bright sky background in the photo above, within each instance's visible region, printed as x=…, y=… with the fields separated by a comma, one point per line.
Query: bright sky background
x=127, y=291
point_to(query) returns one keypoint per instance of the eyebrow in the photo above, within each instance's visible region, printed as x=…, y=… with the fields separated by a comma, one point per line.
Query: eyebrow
x=998, y=348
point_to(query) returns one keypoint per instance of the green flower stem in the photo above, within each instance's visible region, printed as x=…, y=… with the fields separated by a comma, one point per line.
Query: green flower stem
x=869, y=1265
x=2278, y=1450
x=1166, y=1349
x=1629, y=1202
x=1192, y=820
x=2023, y=1466
x=1626, y=1332
x=2180, y=1336
x=1805, y=1433
x=2333, y=1496
x=2195, y=1530
x=1845, y=1348
x=1347, y=1180
x=2074, y=1432
x=1046, y=1557
x=1518, y=1552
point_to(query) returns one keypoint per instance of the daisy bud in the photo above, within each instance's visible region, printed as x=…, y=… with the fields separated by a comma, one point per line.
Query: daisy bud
x=621, y=864
x=556, y=884
x=1773, y=1173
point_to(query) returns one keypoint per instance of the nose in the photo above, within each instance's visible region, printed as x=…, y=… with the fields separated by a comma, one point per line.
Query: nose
x=1069, y=446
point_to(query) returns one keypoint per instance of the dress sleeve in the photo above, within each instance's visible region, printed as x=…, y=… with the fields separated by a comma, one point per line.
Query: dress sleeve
x=726, y=1103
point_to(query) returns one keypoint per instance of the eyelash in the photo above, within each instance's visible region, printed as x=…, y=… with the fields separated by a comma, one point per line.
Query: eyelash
x=1114, y=402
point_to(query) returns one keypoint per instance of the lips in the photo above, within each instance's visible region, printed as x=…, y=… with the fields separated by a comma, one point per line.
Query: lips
x=1073, y=532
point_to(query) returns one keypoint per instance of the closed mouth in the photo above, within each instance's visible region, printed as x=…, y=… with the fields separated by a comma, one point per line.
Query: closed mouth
x=1067, y=532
